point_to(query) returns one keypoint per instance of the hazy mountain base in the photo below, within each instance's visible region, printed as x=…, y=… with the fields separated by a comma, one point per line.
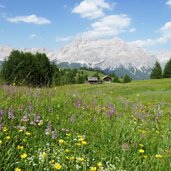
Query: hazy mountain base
x=120, y=71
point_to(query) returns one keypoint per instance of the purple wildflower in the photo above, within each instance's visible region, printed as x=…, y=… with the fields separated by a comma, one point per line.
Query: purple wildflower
x=36, y=118
x=110, y=110
x=26, y=117
x=54, y=135
x=11, y=113
x=49, y=129
x=2, y=111
x=0, y=127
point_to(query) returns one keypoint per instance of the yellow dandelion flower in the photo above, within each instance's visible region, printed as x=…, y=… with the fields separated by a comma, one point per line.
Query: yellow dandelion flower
x=71, y=158
x=28, y=133
x=141, y=151
x=40, y=123
x=145, y=156
x=80, y=159
x=17, y=169
x=23, y=156
x=7, y=137
x=51, y=161
x=99, y=164
x=67, y=151
x=5, y=129
x=81, y=139
x=44, y=154
x=0, y=142
x=57, y=166
x=80, y=136
x=93, y=168
x=61, y=141
x=19, y=147
x=158, y=156
x=20, y=130
x=84, y=143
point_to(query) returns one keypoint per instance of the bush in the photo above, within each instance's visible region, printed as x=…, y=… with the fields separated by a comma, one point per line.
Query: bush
x=126, y=79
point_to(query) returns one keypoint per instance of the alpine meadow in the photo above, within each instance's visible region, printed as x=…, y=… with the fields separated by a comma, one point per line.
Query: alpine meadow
x=92, y=127
x=85, y=85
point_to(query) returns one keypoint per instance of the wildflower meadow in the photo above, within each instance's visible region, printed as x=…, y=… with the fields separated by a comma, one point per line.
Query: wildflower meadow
x=108, y=127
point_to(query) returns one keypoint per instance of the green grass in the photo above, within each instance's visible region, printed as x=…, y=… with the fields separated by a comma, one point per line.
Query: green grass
x=123, y=126
x=91, y=73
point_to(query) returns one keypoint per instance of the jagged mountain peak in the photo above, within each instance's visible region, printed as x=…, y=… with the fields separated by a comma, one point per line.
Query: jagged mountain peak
x=105, y=54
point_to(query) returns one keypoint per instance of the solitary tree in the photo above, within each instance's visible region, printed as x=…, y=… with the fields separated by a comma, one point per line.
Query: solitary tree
x=156, y=72
x=167, y=70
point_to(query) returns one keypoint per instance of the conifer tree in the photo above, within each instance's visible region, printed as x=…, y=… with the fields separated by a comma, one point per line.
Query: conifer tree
x=126, y=79
x=167, y=70
x=156, y=72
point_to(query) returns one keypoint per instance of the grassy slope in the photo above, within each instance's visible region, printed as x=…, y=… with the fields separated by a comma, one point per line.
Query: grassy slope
x=91, y=73
x=140, y=114
x=147, y=89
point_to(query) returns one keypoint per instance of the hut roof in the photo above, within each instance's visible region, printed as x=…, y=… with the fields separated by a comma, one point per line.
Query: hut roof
x=106, y=76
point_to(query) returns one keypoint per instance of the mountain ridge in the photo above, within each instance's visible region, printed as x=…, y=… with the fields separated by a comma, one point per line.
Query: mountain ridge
x=112, y=55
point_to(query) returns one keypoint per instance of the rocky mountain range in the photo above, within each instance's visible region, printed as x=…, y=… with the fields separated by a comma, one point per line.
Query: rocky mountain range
x=112, y=55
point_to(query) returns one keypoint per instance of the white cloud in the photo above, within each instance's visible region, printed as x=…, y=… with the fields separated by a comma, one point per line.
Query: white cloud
x=166, y=29
x=32, y=36
x=29, y=19
x=92, y=8
x=168, y=2
x=165, y=37
x=64, y=38
x=2, y=6
x=108, y=26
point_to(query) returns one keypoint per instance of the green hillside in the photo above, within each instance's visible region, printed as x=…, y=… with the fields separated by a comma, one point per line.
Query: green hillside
x=92, y=73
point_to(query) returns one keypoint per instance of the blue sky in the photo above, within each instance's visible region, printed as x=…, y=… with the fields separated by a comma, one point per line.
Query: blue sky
x=55, y=23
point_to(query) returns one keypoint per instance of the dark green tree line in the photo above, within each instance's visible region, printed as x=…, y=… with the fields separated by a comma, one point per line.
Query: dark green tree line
x=36, y=70
x=156, y=72
x=27, y=69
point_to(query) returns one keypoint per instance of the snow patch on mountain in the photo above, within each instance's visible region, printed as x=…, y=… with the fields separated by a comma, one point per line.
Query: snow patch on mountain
x=112, y=55
x=105, y=54
x=5, y=52
x=163, y=57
